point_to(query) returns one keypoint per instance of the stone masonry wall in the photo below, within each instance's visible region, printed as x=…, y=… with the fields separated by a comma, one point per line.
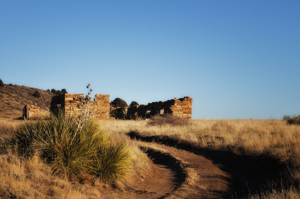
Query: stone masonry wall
x=34, y=112
x=181, y=108
x=31, y=111
x=74, y=104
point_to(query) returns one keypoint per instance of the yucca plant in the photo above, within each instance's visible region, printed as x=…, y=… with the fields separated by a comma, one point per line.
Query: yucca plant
x=26, y=134
x=74, y=145
x=111, y=163
x=70, y=151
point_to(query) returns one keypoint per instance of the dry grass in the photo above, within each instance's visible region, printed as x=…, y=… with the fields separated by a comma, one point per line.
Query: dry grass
x=272, y=138
x=31, y=178
x=14, y=98
x=7, y=127
x=167, y=120
x=22, y=178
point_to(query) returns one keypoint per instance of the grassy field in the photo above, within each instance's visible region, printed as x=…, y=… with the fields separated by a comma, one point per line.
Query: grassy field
x=31, y=178
x=244, y=138
x=271, y=137
x=37, y=177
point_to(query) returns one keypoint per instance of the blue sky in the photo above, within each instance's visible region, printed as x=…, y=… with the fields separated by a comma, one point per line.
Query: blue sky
x=236, y=59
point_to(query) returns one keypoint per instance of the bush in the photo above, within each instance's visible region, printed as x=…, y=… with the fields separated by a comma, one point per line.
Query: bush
x=118, y=102
x=134, y=103
x=292, y=120
x=58, y=92
x=110, y=162
x=71, y=150
x=63, y=91
x=37, y=94
x=53, y=91
x=167, y=119
x=1, y=83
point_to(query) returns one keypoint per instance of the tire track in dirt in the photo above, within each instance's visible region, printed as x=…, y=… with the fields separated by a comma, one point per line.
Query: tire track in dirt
x=196, y=176
x=167, y=175
x=245, y=174
x=163, y=177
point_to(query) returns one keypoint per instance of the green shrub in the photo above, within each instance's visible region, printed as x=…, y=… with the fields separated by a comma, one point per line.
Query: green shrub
x=53, y=91
x=63, y=91
x=167, y=119
x=111, y=163
x=26, y=134
x=134, y=103
x=37, y=94
x=118, y=102
x=1, y=83
x=72, y=147
x=292, y=120
x=58, y=92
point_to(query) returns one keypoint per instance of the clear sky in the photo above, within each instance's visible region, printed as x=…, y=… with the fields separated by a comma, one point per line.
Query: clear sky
x=236, y=59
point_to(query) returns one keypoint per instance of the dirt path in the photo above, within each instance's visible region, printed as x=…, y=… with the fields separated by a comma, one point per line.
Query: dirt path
x=176, y=174
x=228, y=176
x=197, y=177
x=180, y=170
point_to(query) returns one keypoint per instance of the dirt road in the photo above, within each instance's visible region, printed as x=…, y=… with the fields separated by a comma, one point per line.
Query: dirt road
x=180, y=170
x=176, y=174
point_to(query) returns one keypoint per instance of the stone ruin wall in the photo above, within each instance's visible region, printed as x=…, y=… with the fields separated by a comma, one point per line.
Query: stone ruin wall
x=74, y=104
x=181, y=108
x=34, y=112
x=31, y=111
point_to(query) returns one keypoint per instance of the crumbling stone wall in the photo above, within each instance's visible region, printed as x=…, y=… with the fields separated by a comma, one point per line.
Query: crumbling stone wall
x=181, y=108
x=31, y=111
x=34, y=112
x=75, y=104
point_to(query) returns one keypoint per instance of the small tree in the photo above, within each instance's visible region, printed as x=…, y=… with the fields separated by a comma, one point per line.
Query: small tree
x=63, y=91
x=37, y=94
x=118, y=102
x=1, y=83
x=134, y=103
x=53, y=91
x=58, y=92
x=292, y=120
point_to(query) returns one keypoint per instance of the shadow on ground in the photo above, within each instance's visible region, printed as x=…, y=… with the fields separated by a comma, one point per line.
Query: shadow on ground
x=171, y=163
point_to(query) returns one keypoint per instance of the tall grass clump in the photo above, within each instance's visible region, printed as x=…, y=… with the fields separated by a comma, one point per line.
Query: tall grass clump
x=74, y=146
x=109, y=162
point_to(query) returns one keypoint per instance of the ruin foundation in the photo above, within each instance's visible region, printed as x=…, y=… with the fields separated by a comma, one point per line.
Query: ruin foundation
x=34, y=112
x=75, y=105
x=181, y=108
